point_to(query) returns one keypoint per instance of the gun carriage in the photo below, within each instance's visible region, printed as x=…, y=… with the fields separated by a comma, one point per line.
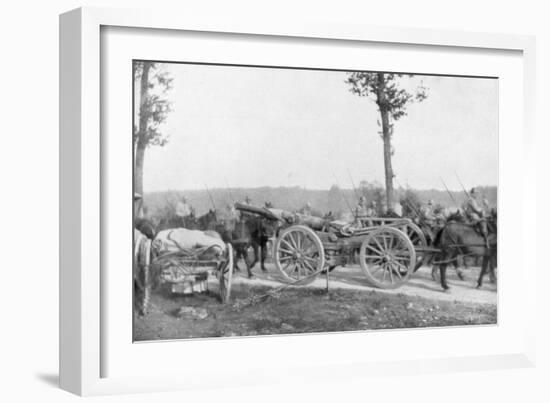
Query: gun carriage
x=389, y=250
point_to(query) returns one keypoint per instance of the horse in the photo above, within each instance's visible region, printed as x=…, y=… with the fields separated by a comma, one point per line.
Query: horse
x=146, y=227
x=253, y=232
x=458, y=238
x=174, y=221
x=208, y=221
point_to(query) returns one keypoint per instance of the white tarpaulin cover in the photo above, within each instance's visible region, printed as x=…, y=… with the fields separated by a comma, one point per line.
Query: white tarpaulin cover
x=181, y=239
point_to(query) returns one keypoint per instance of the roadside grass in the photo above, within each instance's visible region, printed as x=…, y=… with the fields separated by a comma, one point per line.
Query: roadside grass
x=300, y=310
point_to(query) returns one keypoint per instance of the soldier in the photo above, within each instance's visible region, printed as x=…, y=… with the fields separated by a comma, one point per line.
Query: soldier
x=183, y=210
x=361, y=210
x=230, y=213
x=247, y=200
x=372, y=210
x=486, y=206
x=306, y=210
x=476, y=215
x=428, y=214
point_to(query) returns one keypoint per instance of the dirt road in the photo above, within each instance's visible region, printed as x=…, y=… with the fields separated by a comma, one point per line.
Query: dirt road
x=420, y=284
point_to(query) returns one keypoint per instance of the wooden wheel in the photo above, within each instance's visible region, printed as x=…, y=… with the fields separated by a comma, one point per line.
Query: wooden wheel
x=225, y=276
x=418, y=239
x=299, y=254
x=387, y=257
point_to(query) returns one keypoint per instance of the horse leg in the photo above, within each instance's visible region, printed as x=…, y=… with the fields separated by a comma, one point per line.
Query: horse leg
x=459, y=272
x=237, y=253
x=434, y=272
x=250, y=266
x=492, y=274
x=264, y=254
x=443, y=275
x=483, y=270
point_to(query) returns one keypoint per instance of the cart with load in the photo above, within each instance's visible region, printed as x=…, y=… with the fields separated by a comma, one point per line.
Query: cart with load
x=389, y=250
x=185, y=259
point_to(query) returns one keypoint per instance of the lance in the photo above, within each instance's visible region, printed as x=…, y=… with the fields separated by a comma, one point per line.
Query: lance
x=448, y=191
x=210, y=196
x=353, y=184
x=229, y=191
x=463, y=188
x=342, y=195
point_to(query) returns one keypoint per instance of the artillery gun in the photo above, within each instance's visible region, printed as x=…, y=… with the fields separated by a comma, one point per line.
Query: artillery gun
x=389, y=250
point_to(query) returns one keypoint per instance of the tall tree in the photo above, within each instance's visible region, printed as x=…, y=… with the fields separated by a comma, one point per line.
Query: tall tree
x=151, y=84
x=392, y=101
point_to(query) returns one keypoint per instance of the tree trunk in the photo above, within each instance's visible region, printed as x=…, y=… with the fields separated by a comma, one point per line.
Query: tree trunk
x=141, y=138
x=386, y=137
x=138, y=172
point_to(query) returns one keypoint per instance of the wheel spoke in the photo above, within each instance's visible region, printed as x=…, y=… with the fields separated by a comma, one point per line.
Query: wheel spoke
x=292, y=266
x=385, y=243
x=300, y=270
x=299, y=240
x=310, y=259
x=287, y=243
x=382, y=249
x=391, y=275
x=307, y=264
x=292, y=240
x=284, y=258
x=392, y=240
x=399, y=274
x=374, y=249
x=286, y=251
x=377, y=258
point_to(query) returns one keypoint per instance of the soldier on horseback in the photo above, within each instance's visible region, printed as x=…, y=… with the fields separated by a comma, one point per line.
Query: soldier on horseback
x=361, y=210
x=184, y=212
x=476, y=214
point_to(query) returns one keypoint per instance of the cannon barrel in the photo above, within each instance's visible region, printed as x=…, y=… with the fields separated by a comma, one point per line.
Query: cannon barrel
x=315, y=223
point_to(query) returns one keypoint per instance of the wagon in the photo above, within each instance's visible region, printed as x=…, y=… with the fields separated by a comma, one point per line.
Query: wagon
x=186, y=270
x=389, y=250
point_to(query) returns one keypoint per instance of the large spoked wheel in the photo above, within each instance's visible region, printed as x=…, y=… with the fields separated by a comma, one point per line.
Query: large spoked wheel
x=225, y=276
x=419, y=242
x=387, y=257
x=299, y=254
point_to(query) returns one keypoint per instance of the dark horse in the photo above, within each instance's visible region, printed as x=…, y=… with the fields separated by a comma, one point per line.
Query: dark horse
x=457, y=238
x=173, y=221
x=250, y=231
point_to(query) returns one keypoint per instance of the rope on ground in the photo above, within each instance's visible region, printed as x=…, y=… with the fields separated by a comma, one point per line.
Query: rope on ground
x=274, y=293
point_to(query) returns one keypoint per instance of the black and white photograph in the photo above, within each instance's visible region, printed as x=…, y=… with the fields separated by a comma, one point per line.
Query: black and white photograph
x=270, y=200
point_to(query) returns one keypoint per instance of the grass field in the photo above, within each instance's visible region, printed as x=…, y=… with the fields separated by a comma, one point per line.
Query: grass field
x=300, y=310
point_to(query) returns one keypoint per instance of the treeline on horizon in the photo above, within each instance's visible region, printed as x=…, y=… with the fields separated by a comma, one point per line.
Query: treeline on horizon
x=338, y=200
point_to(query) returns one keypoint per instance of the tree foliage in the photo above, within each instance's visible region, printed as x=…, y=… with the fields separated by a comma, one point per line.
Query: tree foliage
x=384, y=89
x=153, y=103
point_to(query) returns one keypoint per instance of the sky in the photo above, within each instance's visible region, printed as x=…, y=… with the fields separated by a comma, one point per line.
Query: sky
x=251, y=127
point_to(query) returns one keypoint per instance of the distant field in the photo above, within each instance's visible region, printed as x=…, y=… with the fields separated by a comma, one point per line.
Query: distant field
x=294, y=198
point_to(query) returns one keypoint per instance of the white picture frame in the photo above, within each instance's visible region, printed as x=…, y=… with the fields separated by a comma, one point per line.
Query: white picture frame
x=82, y=298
